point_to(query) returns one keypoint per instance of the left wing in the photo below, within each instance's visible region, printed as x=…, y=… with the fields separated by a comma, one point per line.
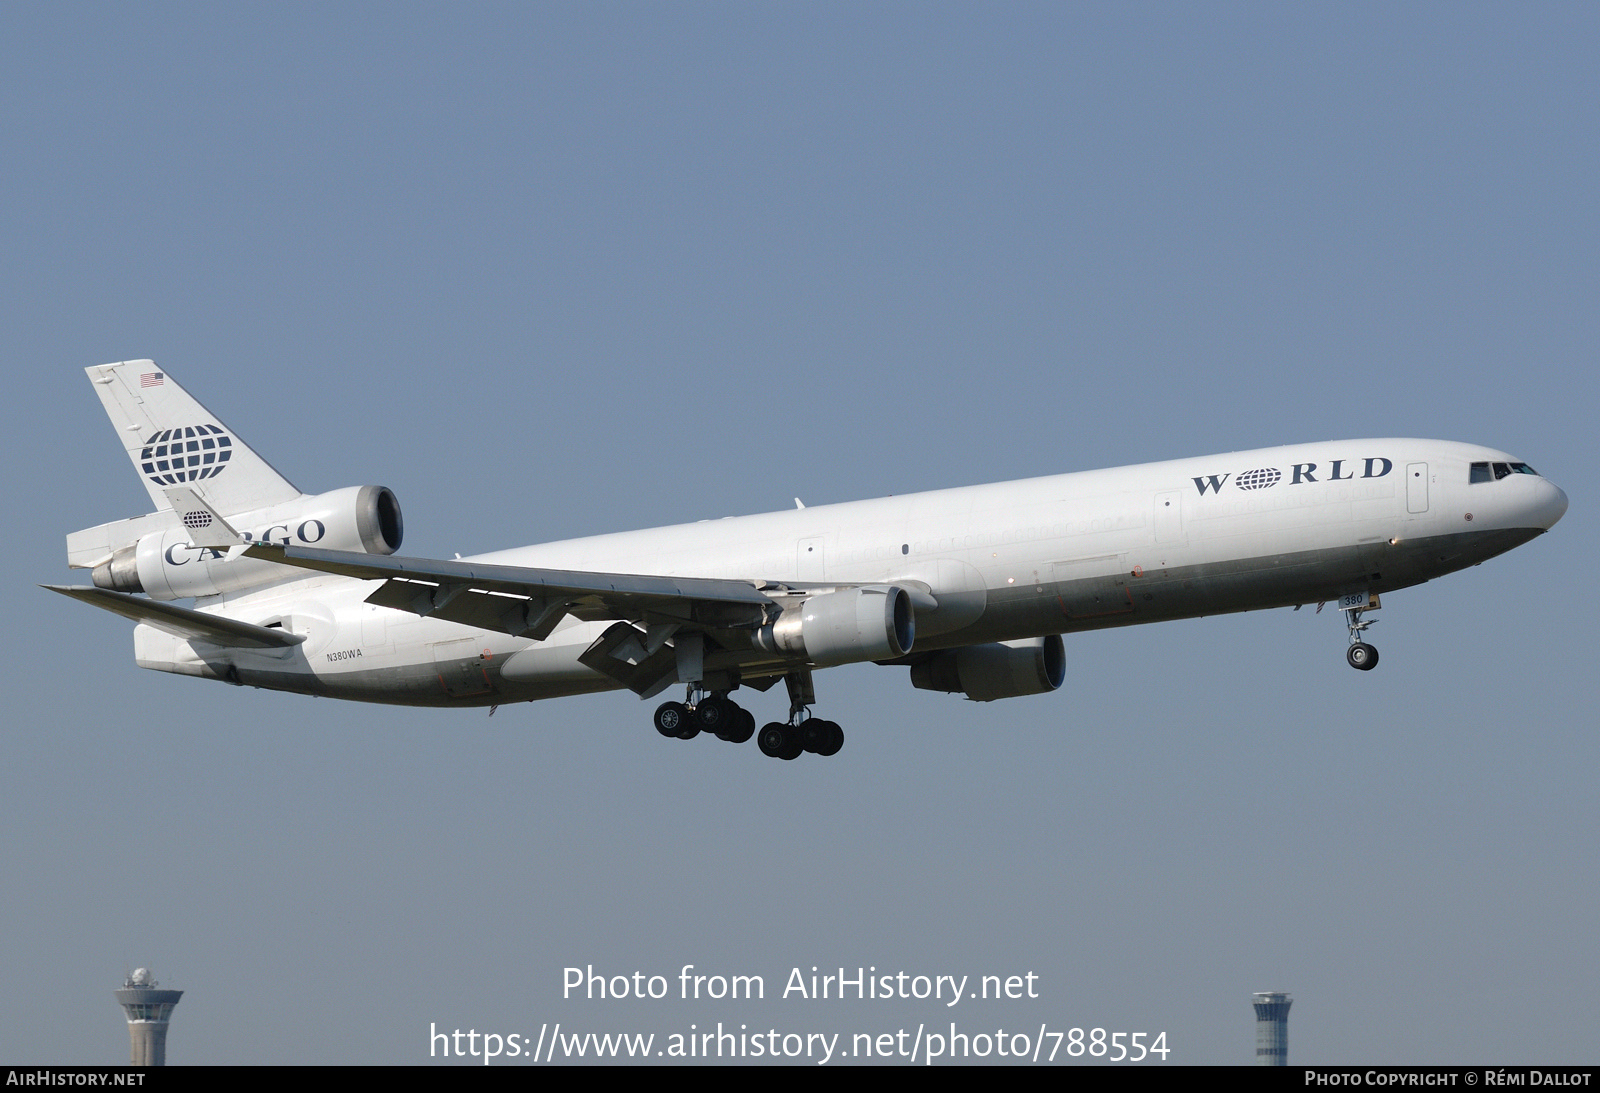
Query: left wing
x=528, y=602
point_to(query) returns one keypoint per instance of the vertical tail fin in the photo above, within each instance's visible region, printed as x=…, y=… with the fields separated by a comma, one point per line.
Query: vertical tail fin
x=174, y=441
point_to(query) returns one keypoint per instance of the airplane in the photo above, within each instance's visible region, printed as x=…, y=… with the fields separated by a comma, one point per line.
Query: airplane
x=970, y=588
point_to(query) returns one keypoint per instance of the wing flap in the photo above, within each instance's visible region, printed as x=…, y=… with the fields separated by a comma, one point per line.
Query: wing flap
x=516, y=615
x=181, y=621
x=623, y=653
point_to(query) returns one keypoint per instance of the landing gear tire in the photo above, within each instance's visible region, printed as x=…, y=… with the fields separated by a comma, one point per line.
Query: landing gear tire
x=671, y=718
x=1362, y=656
x=775, y=740
x=714, y=714
x=741, y=728
x=833, y=739
x=822, y=737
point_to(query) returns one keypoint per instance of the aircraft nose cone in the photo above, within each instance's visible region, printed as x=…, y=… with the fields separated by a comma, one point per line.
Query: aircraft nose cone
x=1552, y=505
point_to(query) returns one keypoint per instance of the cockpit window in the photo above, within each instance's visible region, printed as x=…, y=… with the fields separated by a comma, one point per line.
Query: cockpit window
x=1484, y=472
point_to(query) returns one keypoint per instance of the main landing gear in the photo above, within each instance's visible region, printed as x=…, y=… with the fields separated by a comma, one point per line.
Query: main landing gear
x=716, y=714
x=802, y=732
x=787, y=740
x=727, y=720
x=1360, y=655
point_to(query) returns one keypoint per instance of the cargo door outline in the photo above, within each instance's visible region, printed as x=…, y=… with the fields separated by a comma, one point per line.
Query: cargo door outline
x=1169, y=518
x=809, y=564
x=1416, y=488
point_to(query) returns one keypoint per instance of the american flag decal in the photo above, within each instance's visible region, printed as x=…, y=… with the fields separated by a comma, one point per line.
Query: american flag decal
x=151, y=379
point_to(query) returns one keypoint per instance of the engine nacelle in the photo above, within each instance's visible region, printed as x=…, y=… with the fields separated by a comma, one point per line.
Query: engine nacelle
x=1002, y=669
x=167, y=565
x=875, y=622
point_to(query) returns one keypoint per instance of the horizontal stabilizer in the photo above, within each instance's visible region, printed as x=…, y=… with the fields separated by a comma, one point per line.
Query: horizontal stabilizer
x=94, y=546
x=183, y=621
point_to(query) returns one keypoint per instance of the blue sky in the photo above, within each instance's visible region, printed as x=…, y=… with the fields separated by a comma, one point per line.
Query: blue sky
x=553, y=270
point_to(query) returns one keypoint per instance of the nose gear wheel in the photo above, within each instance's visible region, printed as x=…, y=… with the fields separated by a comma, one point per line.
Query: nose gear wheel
x=1360, y=655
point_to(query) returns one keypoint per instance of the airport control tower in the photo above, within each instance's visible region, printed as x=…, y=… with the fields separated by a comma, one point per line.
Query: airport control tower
x=1272, y=1027
x=149, y=1010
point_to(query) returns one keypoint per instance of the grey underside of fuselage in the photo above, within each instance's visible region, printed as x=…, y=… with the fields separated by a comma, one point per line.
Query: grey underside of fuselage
x=1016, y=611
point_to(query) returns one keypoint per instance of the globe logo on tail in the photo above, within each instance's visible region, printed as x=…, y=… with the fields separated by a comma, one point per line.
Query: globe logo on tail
x=172, y=457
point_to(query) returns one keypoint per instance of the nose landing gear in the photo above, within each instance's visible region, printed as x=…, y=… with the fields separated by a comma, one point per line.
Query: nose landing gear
x=1360, y=655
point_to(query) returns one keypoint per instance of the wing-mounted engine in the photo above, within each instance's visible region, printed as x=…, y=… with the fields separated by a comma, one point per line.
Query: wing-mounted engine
x=873, y=622
x=168, y=565
x=1002, y=669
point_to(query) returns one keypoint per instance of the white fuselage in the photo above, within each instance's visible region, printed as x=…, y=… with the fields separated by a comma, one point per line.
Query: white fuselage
x=1014, y=560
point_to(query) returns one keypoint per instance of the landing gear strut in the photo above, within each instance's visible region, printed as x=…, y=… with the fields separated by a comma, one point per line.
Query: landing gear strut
x=802, y=732
x=1360, y=655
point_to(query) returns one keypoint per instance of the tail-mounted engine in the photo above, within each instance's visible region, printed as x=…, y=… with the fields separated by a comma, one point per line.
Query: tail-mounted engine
x=1002, y=669
x=168, y=566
